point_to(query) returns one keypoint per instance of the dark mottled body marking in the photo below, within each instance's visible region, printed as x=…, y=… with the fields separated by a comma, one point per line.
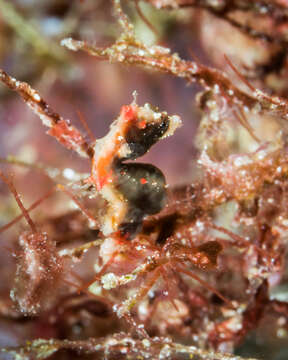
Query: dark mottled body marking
x=144, y=197
x=140, y=140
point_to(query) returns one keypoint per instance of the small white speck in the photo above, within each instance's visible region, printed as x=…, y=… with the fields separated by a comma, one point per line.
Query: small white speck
x=69, y=43
x=69, y=173
x=37, y=97
x=146, y=343
x=216, y=89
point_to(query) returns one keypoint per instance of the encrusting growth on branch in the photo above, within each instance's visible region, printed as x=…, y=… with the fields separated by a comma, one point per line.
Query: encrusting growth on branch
x=61, y=129
x=130, y=51
x=38, y=266
x=116, y=346
x=225, y=9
